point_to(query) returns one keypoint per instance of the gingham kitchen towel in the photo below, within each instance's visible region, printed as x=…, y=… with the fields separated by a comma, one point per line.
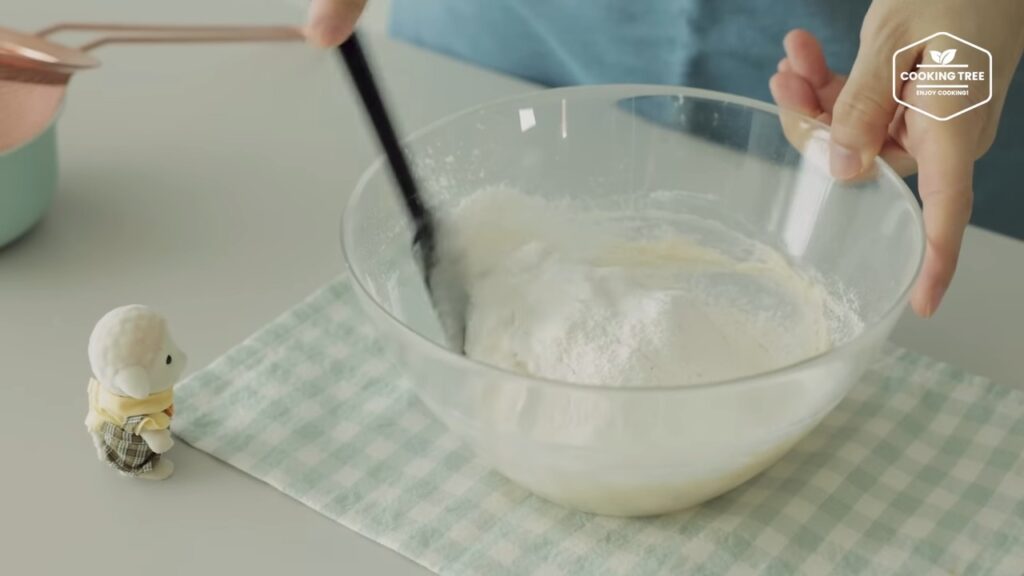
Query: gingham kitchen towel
x=920, y=470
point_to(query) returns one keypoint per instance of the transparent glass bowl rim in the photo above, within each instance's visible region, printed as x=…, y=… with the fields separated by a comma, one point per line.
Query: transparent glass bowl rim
x=610, y=91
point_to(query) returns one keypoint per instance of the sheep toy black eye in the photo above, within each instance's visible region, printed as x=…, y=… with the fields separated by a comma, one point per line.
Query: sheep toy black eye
x=168, y=359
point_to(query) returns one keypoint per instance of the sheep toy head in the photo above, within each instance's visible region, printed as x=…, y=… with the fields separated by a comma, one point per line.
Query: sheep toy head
x=132, y=353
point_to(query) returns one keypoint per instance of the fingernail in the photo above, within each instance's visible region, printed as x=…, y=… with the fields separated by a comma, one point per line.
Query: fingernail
x=936, y=300
x=323, y=34
x=843, y=162
x=328, y=36
x=929, y=309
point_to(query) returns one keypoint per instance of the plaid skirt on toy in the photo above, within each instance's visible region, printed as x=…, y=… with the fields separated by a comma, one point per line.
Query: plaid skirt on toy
x=126, y=452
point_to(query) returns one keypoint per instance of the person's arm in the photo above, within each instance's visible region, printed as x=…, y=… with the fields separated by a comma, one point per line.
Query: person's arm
x=330, y=22
x=867, y=121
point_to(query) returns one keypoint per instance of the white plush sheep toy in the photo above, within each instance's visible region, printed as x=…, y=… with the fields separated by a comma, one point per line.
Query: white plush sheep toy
x=135, y=364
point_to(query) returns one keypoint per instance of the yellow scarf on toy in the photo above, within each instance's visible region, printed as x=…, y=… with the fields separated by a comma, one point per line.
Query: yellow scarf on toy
x=105, y=406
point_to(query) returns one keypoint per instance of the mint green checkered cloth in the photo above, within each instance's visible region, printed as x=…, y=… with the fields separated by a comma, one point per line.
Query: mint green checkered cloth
x=920, y=470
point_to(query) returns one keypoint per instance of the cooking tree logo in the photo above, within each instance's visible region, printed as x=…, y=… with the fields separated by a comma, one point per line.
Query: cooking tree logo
x=953, y=71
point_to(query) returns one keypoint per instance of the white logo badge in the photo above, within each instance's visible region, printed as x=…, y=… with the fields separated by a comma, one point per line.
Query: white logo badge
x=944, y=75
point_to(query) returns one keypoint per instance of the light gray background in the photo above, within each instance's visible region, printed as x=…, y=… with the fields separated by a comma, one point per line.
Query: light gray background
x=208, y=182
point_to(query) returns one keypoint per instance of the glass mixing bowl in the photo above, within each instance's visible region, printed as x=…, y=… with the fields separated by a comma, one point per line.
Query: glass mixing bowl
x=733, y=162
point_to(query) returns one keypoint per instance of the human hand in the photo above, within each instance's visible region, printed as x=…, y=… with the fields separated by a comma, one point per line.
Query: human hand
x=866, y=121
x=331, y=22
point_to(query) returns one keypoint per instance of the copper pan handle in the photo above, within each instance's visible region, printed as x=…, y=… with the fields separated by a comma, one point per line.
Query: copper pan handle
x=143, y=33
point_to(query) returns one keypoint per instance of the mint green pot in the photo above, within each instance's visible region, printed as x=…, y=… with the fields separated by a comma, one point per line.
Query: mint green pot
x=28, y=178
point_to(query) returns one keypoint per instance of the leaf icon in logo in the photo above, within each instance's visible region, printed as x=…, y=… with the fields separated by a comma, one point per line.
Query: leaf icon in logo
x=944, y=56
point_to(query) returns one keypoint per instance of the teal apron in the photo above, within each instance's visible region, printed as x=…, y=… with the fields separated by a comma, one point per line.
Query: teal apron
x=726, y=45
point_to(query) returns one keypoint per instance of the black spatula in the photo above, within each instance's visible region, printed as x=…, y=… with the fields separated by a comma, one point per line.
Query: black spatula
x=447, y=291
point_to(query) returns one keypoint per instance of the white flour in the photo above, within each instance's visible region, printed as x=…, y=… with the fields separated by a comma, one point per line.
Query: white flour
x=628, y=300
x=580, y=298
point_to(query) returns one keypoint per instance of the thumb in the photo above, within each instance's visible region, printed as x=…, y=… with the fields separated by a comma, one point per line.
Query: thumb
x=331, y=22
x=863, y=111
x=944, y=182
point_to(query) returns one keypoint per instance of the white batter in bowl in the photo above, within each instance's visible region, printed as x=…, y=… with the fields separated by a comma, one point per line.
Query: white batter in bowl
x=561, y=292
x=564, y=293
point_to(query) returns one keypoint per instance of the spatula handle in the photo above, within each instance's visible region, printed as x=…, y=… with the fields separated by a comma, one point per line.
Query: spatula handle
x=362, y=77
